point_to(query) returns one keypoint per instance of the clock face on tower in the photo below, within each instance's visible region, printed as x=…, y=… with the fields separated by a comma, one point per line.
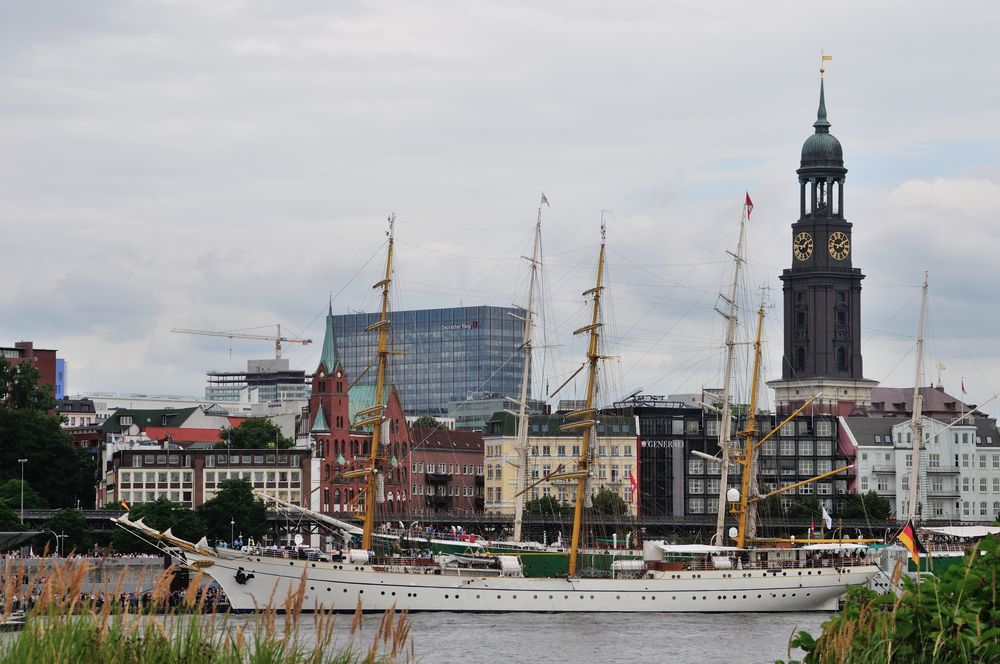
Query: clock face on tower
x=802, y=246
x=839, y=246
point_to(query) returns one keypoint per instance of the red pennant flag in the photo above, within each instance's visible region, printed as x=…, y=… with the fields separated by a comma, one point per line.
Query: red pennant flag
x=749, y=204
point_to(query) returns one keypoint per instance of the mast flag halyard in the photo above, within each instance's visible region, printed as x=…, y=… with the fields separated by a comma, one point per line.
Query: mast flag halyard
x=377, y=412
x=583, y=419
x=522, y=415
x=725, y=427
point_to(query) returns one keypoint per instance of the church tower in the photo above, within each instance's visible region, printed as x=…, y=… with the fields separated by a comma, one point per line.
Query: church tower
x=822, y=289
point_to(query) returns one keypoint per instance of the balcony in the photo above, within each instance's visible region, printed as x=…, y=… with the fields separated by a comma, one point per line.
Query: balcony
x=943, y=493
x=943, y=470
x=438, y=501
x=439, y=478
x=884, y=468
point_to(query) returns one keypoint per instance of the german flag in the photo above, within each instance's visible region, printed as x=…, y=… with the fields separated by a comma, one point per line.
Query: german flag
x=908, y=537
x=125, y=506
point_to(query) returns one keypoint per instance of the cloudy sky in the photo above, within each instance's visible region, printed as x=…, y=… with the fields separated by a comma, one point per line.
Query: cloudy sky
x=227, y=165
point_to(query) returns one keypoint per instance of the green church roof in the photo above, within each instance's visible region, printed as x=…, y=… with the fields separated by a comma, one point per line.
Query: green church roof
x=319, y=424
x=360, y=397
x=329, y=358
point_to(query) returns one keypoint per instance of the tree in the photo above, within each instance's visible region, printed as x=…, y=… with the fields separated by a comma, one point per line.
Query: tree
x=805, y=509
x=771, y=509
x=56, y=468
x=10, y=496
x=10, y=520
x=234, y=503
x=159, y=514
x=866, y=506
x=255, y=433
x=72, y=524
x=425, y=422
x=609, y=502
x=545, y=506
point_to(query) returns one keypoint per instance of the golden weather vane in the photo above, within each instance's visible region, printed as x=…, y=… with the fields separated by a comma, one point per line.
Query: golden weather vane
x=823, y=59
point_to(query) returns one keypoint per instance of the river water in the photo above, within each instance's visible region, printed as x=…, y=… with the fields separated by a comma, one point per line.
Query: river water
x=460, y=638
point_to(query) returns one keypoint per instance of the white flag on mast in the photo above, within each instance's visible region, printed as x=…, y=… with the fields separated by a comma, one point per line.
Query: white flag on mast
x=544, y=200
x=827, y=520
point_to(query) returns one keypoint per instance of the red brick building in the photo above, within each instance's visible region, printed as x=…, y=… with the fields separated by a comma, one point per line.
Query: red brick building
x=42, y=359
x=446, y=472
x=333, y=407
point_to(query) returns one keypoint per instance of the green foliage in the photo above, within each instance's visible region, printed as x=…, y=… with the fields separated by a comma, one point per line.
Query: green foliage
x=866, y=506
x=771, y=509
x=425, y=422
x=951, y=618
x=160, y=514
x=804, y=509
x=234, y=501
x=64, y=628
x=72, y=524
x=10, y=520
x=609, y=502
x=546, y=506
x=57, y=469
x=19, y=388
x=10, y=496
x=255, y=433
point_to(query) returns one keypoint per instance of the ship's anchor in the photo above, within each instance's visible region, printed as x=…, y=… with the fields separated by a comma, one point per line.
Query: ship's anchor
x=242, y=577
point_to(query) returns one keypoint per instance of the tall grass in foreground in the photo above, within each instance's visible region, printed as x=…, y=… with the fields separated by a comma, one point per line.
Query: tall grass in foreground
x=953, y=618
x=64, y=627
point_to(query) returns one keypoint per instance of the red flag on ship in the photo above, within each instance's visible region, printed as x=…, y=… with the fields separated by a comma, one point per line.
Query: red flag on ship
x=635, y=485
x=749, y=204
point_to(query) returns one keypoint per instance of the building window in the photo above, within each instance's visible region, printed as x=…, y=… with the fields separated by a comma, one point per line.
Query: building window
x=805, y=467
x=712, y=428
x=824, y=428
x=788, y=448
x=696, y=505
x=696, y=466
x=934, y=461
x=696, y=486
x=824, y=447
x=806, y=447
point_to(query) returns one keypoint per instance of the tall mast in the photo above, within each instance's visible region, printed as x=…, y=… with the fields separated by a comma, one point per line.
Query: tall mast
x=374, y=416
x=522, y=416
x=725, y=428
x=746, y=455
x=583, y=419
x=916, y=422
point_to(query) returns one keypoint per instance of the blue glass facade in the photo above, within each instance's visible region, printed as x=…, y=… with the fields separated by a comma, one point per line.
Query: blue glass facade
x=447, y=354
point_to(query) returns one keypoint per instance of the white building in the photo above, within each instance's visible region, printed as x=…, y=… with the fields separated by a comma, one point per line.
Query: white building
x=959, y=466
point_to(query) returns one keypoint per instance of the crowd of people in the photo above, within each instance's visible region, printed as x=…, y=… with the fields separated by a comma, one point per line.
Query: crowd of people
x=209, y=599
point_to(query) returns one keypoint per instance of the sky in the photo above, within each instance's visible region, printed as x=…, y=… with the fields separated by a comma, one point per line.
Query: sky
x=227, y=165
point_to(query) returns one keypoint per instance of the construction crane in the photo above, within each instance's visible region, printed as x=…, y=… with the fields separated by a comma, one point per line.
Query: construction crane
x=277, y=339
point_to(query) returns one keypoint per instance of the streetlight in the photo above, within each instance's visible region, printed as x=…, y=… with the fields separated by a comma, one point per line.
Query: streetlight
x=22, y=462
x=232, y=526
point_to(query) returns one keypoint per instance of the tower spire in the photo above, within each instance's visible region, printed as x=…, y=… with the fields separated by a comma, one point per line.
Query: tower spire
x=822, y=125
x=329, y=357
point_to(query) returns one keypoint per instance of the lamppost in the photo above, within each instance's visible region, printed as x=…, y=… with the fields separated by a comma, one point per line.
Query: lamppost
x=22, y=462
x=232, y=530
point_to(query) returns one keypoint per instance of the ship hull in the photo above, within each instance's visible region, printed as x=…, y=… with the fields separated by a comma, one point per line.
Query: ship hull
x=342, y=587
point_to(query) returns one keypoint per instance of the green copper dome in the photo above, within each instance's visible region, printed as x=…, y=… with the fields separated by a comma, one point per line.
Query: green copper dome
x=822, y=148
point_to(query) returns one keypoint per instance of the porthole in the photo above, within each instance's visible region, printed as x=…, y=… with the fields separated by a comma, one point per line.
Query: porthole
x=673, y=597
x=618, y=596
x=394, y=593
x=536, y=596
x=291, y=563
x=498, y=596
x=477, y=596
x=565, y=596
x=446, y=596
x=361, y=592
x=311, y=588
x=383, y=592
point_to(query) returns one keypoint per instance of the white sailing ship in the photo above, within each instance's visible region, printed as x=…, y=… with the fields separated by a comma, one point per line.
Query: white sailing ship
x=667, y=578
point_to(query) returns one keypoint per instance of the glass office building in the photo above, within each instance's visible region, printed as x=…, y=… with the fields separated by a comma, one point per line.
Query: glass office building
x=446, y=354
